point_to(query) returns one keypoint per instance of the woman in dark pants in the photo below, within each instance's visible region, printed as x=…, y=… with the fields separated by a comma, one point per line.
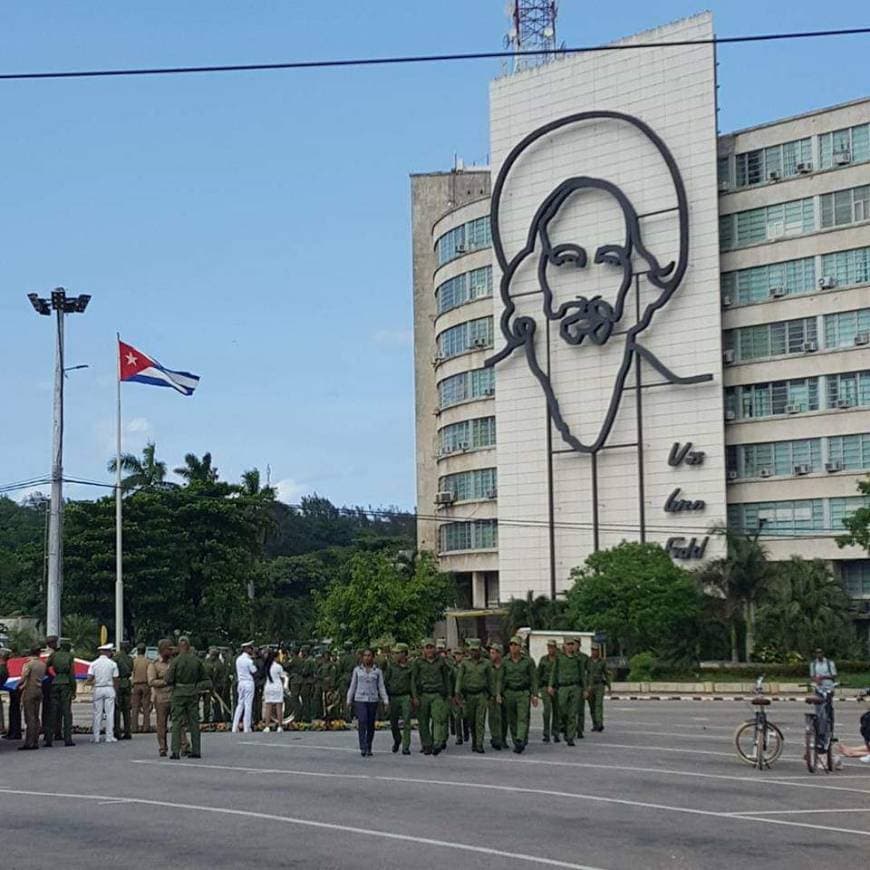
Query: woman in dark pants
x=366, y=689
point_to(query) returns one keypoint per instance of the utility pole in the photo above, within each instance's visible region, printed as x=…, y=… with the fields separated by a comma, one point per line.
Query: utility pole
x=61, y=305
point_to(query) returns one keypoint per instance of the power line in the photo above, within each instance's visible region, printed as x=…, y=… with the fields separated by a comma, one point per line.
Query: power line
x=426, y=58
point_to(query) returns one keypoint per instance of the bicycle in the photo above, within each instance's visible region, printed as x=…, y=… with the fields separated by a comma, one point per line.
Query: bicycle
x=758, y=741
x=820, y=729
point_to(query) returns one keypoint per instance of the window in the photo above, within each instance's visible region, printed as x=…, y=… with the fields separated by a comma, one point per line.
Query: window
x=464, y=288
x=856, y=578
x=841, y=508
x=769, y=164
x=841, y=147
x=475, y=485
x=850, y=390
x=852, y=452
x=848, y=267
x=476, y=384
x=475, y=535
x=778, y=518
x=841, y=329
x=723, y=171
x=471, y=236
x=470, y=335
x=763, y=224
x=468, y=435
x=773, y=399
x=788, y=278
x=771, y=339
x=776, y=458
x=845, y=206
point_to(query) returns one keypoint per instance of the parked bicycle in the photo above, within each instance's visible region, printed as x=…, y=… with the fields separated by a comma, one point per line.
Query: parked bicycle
x=820, y=729
x=758, y=741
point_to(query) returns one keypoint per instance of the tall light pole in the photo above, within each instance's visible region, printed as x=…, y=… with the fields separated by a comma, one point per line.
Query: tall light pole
x=61, y=305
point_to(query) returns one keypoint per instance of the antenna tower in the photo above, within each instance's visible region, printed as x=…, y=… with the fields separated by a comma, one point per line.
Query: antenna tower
x=533, y=28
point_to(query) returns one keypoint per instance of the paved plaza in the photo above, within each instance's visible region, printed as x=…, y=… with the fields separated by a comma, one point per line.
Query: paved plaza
x=660, y=787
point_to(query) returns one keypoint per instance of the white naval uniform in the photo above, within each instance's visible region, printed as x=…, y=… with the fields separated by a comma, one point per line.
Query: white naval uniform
x=104, y=671
x=245, y=670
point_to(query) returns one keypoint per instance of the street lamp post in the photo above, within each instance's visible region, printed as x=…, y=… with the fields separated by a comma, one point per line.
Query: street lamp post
x=62, y=305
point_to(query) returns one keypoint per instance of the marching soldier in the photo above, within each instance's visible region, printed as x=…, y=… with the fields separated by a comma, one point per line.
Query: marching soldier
x=583, y=659
x=430, y=683
x=457, y=710
x=187, y=678
x=63, y=690
x=520, y=687
x=293, y=667
x=599, y=679
x=397, y=680
x=140, y=697
x=473, y=691
x=497, y=719
x=566, y=683
x=214, y=671
x=327, y=675
x=551, y=701
x=122, y=701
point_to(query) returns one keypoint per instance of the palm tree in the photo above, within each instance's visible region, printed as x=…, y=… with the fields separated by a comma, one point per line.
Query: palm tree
x=82, y=632
x=197, y=471
x=537, y=613
x=141, y=473
x=739, y=580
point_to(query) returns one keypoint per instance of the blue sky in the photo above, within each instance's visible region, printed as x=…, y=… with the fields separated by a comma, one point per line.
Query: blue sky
x=254, y=228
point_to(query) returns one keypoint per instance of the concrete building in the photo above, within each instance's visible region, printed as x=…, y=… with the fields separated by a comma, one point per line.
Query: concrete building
x=678, y=323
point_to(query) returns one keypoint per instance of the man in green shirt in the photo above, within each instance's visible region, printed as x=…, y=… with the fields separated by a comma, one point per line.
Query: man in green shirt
x=583, y=660
x=457, y=709
x=497, y=716
x=551, y=701
x=186, y=677
x=397, y=679
x=474, y=687
x=599, y=679
x=430, y=684
x=63, y=690
x=567, y=684
x=519, y=689
x=125, y=689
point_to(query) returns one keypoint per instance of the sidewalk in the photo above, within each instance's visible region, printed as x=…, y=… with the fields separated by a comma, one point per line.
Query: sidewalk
x=712, y=691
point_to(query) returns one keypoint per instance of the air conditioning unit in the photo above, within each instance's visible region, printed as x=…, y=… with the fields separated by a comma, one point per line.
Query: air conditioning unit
x=827, y=283
x=462, y=446
x=832, y=467
x=792, y=409
x=492, y=493
x=730, y=416
x=801, y=469
x=728, y=356
x=726, y=301
x=810, y=346
x=843, y=404
x=479, y=342
x=773, y=175
x=724, y=187
x=732, y=474
x=777, y=292
x=804, y=168
x=460, y=249
x=842, y=158
x=765, y=472
x=445, y=497
x=862, y=338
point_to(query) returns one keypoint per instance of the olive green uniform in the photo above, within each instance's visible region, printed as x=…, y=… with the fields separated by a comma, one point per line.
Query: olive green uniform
x=496, y=709
x=519, y=683
x=327, y=683
x=474, y=686
x=308, y=671
x=430, y=684
x=294, y=667
x=397, y=680
x=123, y=697
x=551, y=702
x=63, y=690
x=581, y=703
x=599, y=680
x=186, y=677
x=568, y=679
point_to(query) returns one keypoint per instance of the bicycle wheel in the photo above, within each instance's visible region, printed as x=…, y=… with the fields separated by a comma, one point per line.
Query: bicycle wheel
x=745, y=742
x=772, y=745
x=811, y=754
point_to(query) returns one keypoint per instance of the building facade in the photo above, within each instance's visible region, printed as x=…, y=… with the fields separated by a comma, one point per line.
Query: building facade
x=677, y=324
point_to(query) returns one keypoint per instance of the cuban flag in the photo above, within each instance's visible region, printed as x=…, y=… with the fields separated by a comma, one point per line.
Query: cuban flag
x=137, y=366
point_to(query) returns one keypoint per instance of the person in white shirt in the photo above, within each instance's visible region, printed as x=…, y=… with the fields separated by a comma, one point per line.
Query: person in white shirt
x=273, y=692
x=245, y=670
x=103, y=676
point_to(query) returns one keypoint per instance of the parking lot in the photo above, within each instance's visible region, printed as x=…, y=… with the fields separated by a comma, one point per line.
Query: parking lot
x=660, y=787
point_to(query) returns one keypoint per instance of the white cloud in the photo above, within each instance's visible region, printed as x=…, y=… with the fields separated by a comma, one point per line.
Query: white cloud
x=289, y=490
x=393, y=337
x=139, y=425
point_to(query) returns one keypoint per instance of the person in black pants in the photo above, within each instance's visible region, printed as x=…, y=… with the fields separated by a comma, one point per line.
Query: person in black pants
x=365, y=691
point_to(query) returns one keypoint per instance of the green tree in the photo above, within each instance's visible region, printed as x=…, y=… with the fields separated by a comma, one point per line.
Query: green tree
x=83, y=633
x=375, y=596
x=857, y=524
x=806, y=607
x=196, y=471
x=640, y=598
x=539, y=613
x=140, y=473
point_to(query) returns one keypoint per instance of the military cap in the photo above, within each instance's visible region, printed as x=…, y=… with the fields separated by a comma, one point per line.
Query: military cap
x=348, y=645
x=578, y=640
x=105, y=646
x=401, y=647
x=517, y=640
x=52, y=638
x=472, y=642
x=428, y=641
x=212, y=649
x=551, y=642
x=247, y=643
x=182, y=639
x=125, y=644
x=440, y=643
x=65, y=644
x=496, y=646
x=164, y=643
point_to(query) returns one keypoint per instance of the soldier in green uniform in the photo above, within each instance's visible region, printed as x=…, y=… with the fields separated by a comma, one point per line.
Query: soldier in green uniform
x=430, y=684
x=566, y=682
x=551, y=701
x=123, y=696
x=63, y=690
x=397, y=679
x=457, y=708
x=293, y=668
x=599, y=679
x=306, y=689
x=497, y=718
x=186, y=677
x=583, y=659
x=209, y=664
x=519, y=689
x=327, y=676
x=473, y=690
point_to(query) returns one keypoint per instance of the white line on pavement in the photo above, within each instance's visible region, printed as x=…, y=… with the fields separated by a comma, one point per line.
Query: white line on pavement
x=367, y=832
x=800, y=812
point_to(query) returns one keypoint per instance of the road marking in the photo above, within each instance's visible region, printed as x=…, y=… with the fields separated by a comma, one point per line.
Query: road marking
x=330, y=826
x=254, y=769
x=799, y=812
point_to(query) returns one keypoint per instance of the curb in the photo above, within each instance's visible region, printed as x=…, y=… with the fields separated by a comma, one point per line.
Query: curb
x=792, y=698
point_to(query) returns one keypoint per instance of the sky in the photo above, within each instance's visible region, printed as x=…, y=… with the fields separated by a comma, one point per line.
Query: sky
x=254, y=228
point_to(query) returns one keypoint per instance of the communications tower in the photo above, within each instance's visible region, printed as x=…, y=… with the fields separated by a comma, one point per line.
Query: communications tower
x=533, y=28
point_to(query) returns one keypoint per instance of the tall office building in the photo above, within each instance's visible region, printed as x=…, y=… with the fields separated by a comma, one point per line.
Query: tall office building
x=645, y=330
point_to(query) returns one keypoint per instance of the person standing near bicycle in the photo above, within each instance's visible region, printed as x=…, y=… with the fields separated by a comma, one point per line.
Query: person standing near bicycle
x=823, y=672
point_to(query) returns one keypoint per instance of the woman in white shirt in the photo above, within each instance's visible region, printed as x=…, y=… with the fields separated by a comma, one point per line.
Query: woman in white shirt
x=365, y=690
x=273, y=692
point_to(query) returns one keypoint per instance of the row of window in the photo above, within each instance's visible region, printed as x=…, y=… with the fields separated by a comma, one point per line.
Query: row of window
x=467, y=435
x=799, y=395
x=804, y=455
x=469, y=335
x=476, y=384
x=803, y=517
x=474, y=485
x=843, y=329
x=837, y=148
x=856, y=578
x=794, y=277
x=471, y=236
x=473, y=535
x=794, y=218
x=466, y=287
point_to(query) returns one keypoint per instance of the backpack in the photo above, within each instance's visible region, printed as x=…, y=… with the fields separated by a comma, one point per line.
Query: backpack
x=865, y=726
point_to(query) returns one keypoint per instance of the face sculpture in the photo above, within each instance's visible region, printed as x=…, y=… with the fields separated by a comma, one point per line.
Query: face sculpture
x=586, y=322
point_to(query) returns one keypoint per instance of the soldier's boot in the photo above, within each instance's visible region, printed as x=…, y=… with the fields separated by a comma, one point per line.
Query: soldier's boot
x=397, y=742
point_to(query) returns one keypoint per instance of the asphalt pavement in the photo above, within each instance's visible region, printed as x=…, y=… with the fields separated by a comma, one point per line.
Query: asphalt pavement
x=661, y=787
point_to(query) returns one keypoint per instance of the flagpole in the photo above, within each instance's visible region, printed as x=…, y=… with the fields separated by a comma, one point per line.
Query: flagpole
x=119, y=557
